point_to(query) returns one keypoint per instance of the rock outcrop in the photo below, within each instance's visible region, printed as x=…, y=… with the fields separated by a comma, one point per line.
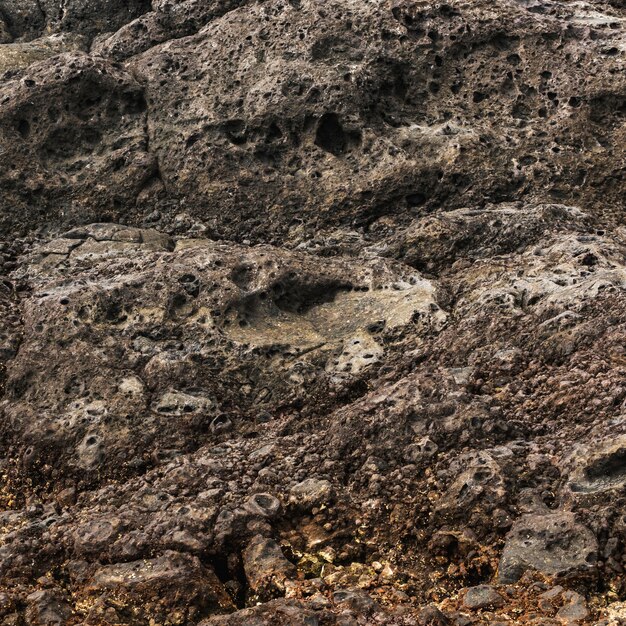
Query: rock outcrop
x=312, y=313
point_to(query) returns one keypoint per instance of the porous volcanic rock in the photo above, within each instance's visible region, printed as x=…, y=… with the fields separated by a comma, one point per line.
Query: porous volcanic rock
x=29, y=18
x=312, y=313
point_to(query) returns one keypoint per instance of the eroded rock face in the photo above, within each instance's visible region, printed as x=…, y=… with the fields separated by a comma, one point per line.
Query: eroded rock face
x=328, y=114
x=552, y=543
x=167, y=325
x=346, y=114
x=212, y=378
x=73, y=129
x=312, y=313
x=29, y=18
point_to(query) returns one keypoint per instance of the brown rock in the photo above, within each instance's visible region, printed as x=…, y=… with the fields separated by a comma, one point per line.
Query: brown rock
x=266, y=567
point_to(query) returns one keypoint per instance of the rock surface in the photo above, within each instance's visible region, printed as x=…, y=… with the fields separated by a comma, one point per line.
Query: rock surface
x=482, y=597
x=312, y=313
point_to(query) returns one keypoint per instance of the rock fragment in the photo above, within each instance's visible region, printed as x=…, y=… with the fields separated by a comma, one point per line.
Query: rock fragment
x=574, y=610
x=311, y=493
x=482, y=597
x=554, y=544
x=266, y=567
x=48, y=608
x=172, y=584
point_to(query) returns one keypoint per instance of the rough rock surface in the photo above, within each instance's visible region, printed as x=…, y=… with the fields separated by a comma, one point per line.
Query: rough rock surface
x=312, y=313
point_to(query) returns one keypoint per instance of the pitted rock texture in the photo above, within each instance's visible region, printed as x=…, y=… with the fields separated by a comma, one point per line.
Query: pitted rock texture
x=167, y=318
x=278, y=119
x=312, y=313
x=29, y=18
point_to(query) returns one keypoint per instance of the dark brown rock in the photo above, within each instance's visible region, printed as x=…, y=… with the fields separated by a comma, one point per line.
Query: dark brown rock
x=312, y=313
x=73, y=134
x=162, y=588
x=266, y=567
x=29, y=18
x=47, y=608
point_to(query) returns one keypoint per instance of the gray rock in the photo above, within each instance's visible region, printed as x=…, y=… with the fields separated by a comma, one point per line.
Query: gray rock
x=47, y=608
x=311, y=493
x=553, y=544
x=482, y=597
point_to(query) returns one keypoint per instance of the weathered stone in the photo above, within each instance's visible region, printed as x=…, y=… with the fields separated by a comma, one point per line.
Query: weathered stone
x=311, y=493
x=263, y=504
x=27, y=18
x=266, y=567
x=316, y=300
x=17, y=56
x=574, y=611
x=167, y=584
x=432, y=616
x=47, y=608
x=482, y=597
x=554, y=544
